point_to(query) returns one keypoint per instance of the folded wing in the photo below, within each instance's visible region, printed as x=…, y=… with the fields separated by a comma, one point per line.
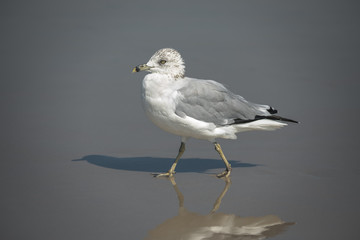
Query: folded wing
x=210, y=101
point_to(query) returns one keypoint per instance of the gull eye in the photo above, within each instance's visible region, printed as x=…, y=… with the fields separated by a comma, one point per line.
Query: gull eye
x=162, y=62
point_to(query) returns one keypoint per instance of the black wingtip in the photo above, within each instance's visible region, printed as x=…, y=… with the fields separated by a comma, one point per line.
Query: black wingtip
x=278, y=118
x=272, y=110
x=257, y=117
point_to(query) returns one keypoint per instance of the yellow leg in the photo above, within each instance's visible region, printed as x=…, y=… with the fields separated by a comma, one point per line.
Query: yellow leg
x=227, y=171
x=171, y=171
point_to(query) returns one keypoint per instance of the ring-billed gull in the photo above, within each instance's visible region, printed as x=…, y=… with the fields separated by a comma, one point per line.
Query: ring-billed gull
x=196, y=108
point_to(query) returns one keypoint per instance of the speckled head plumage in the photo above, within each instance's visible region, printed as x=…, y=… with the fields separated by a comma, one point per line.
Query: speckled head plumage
x=166, y=61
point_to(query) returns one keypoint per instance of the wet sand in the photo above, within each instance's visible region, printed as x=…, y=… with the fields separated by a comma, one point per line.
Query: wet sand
x=78, y=152
x=80, y=198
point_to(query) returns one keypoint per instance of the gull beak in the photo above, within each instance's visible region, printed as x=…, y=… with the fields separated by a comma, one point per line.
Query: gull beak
x=142, y=67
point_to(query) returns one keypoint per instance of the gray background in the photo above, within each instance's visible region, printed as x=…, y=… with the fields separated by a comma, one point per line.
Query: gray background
x=77, y=150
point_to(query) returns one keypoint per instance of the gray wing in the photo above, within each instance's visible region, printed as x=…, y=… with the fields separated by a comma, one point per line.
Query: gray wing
x=210, y=101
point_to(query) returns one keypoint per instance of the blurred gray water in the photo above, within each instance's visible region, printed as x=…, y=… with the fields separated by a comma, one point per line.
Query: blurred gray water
x=77, y=150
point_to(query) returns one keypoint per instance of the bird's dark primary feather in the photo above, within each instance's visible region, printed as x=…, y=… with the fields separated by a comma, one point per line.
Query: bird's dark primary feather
x=210, y=101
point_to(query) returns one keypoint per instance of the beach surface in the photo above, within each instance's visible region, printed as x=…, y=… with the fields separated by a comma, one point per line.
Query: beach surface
x=77, y=151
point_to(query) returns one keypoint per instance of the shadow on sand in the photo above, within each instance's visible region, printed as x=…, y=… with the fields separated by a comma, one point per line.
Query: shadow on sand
x=149, y=164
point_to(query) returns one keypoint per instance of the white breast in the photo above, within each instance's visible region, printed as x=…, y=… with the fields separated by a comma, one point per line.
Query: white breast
x=159, y=100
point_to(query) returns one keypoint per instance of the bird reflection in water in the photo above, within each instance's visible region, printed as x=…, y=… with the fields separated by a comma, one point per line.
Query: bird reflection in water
x=220, y=226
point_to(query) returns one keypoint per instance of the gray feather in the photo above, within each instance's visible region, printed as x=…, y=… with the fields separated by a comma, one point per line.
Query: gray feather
x=210, y=101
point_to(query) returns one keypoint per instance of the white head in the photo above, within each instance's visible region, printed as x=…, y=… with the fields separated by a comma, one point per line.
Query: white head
x=165, y=61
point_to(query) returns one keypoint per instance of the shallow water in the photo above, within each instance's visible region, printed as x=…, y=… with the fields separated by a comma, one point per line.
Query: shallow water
x=78, y=152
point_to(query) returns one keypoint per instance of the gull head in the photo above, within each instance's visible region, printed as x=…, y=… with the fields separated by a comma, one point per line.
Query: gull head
x=166, y=61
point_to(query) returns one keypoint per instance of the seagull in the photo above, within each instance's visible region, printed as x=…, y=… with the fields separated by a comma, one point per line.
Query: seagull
x=197, y=108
